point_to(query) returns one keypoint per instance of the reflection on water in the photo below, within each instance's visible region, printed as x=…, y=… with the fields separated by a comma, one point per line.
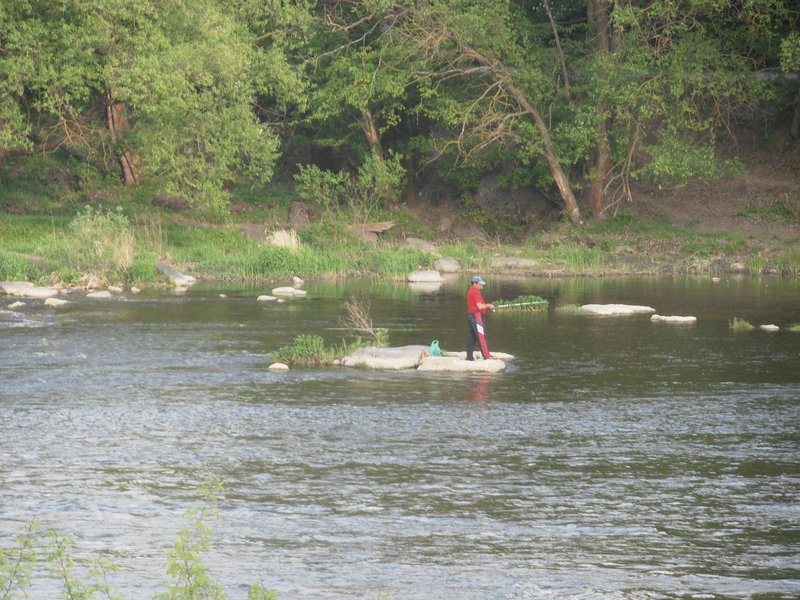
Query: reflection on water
x=480, y=389
x=616, y=458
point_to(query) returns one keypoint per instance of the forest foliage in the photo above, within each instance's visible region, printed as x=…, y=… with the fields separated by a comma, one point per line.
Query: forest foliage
x=576, y=99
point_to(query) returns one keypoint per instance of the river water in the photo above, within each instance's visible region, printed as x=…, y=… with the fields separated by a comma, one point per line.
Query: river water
x=616, y=458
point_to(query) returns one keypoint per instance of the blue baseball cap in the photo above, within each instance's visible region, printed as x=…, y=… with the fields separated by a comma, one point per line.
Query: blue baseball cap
x=478, y=279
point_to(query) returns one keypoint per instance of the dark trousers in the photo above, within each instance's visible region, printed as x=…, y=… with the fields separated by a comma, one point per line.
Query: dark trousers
x=476, y=333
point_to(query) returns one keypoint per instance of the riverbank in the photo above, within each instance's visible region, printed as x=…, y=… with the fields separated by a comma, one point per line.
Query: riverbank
x=56, y=229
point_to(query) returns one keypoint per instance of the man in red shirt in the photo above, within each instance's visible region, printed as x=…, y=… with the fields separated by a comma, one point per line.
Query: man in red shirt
x=476, y=308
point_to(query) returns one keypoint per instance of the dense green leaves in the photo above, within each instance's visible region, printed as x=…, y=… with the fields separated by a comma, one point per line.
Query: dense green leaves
x=207, y=92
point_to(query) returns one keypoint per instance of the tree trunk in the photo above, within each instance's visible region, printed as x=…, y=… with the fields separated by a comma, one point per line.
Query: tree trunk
x=598, y=16
x=117, y=122
x=561, y=179
x=549, y=153
x=370, y=131
x=795, y=129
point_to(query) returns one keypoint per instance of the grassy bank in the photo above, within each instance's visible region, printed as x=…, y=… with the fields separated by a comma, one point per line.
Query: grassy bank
x=60, y=224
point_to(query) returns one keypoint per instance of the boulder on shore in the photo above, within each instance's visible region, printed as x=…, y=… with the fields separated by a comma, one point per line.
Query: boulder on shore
x=448, y=264
x=426, y=276
x=179, y=279
x=25, y=289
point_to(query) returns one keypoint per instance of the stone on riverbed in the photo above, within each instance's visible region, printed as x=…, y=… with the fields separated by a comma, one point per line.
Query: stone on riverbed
x=288, y=291
x=56, y=302
x=673, y=319
x=616, y=309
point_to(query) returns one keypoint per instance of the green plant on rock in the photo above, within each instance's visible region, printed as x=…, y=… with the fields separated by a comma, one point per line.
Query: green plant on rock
x=738, y=324
x=305, y=350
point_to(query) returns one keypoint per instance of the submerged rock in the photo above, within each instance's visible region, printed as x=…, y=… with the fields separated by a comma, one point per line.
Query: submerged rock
x=616, y=309
x=288, y=291
x=673, y=319
x=55, y=302
x=770, y=327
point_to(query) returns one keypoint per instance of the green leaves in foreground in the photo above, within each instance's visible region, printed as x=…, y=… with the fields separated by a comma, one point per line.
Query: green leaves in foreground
x=19, y=564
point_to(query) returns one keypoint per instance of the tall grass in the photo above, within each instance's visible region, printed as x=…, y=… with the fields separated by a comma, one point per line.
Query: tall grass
x=96, y=242
x=577, y=259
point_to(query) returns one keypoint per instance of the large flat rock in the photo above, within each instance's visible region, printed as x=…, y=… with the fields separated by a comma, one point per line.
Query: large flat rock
x=26, y=289
x=463, y=355
x=401, y=357
x=418, y=357
x=461, y=365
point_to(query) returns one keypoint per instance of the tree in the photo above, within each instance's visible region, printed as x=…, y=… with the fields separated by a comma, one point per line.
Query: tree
x=488, y=81
x=665, y=82
x=167, y=88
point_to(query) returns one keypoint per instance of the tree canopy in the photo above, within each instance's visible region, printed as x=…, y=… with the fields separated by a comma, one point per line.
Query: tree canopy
x=576, y=99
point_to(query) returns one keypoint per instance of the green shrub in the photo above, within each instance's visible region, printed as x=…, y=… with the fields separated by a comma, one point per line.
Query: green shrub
x=98, y=242
x=305, y=350
x=143, y=269
x=738, y=324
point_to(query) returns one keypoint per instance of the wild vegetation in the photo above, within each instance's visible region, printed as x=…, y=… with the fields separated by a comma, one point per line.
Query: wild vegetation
x=358, y=331
x=41, y=554
x=205, y=122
